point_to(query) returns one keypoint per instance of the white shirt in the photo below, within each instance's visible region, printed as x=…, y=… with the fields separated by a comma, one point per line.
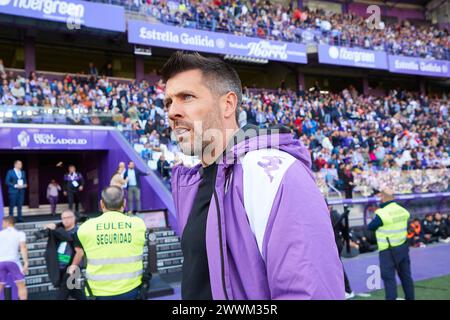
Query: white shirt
x=18, y=173
x=10, y=239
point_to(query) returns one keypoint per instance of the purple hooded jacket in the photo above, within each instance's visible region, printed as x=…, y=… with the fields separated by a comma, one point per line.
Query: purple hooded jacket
x=269, y=233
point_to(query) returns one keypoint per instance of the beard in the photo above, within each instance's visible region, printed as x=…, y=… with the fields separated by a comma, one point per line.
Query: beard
x=197, y=141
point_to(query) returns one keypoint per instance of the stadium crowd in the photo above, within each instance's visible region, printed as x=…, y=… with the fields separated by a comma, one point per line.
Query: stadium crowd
x=355, y=140
x=274, y=21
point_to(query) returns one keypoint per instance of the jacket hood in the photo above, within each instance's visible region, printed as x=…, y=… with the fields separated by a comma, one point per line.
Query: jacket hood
x=250, y=138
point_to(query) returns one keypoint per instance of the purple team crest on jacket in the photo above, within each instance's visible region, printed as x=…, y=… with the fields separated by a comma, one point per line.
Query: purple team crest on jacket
x=272, y=164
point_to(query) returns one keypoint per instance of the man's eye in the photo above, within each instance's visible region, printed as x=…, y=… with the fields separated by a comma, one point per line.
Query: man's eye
x=188, y=97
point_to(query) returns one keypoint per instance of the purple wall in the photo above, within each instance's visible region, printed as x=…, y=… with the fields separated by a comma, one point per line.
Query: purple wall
x=402, y=14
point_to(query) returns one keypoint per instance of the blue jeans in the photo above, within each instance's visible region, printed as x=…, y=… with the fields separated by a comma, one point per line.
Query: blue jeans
x=392, y=260
x=16, y=200
x=130, y=295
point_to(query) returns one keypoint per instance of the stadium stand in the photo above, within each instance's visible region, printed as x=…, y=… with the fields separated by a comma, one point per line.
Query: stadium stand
x=398, y=139
x=275, y=21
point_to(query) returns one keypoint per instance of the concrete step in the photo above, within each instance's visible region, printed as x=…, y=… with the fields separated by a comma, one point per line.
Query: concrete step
x=166, y=240
x=167, y=233
x=170, y=269
x=169, y=262
x=43, y=209
x=37, y=279
x=34, y=226
x=169, y=254
x=41, y=287
x=37, y=270
x=36, y=245
x=168, y=246
x=36, y=253
x=36, y=262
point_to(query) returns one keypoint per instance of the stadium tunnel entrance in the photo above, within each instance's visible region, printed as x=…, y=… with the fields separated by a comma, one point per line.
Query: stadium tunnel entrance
x=96, y=151
x=43, y=165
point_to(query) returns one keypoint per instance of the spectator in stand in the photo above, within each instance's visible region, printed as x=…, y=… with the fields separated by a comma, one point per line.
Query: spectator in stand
x=163, y=167
x=285, y=23
x=92, y=70
x=348, y=182
x=18, y=91
x=108, y=70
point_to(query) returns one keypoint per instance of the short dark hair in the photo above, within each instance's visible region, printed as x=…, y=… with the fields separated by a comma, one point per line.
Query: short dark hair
x=112, y=197
x=10, y=220
x=217, y=75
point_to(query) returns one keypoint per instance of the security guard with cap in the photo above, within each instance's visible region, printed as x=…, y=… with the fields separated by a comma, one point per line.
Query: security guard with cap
x=114, y=246
x=390, y=225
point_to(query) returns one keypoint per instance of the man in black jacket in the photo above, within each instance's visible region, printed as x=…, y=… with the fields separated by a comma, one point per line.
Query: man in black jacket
x=73, y=185
x=430, y=229
x=340, y=233
x=59, y=255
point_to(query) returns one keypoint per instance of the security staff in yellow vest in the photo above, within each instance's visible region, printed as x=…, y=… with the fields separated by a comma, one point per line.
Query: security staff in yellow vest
x=114, y=246
x=390, y=224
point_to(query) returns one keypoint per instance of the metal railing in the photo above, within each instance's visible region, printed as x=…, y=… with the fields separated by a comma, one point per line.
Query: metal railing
x=55, y=115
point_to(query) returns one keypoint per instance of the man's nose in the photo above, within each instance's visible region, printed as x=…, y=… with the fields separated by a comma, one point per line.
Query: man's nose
x=176, y=111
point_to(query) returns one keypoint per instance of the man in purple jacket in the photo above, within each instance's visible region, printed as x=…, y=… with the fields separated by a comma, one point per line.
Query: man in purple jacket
x=253, y=224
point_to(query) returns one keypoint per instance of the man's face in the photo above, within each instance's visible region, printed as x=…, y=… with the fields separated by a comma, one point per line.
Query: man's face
x=131, y=165
x=18, y=165
x=191, y=103
x=68, y=220
x=72, y=169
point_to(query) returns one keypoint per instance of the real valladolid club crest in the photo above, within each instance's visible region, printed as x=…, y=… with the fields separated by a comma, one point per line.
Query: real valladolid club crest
x=24, y=138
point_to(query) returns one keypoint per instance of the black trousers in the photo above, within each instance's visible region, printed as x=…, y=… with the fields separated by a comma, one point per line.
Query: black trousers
x=397, y=260
x=64, y=292
x=348, y=289
x=73, y=198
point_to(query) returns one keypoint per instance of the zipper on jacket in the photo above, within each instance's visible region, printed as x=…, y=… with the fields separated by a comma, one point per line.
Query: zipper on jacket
x=222, y=261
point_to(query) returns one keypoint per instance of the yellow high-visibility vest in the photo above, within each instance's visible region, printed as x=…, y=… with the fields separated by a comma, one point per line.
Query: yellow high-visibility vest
x=114, y=246
x=394, y=228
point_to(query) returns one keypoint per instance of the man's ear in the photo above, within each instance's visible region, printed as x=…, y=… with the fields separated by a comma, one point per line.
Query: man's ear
x=102, y=205
x=230, y=101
